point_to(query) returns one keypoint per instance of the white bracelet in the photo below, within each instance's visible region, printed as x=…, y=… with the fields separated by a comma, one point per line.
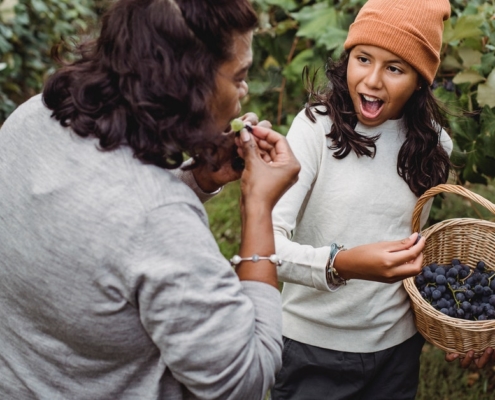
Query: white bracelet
x=235, y=260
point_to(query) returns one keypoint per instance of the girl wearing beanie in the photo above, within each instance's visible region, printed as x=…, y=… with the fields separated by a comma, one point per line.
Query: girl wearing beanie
x=369, y=145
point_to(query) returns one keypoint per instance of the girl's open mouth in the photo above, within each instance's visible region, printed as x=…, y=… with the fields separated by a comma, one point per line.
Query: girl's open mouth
x=370, y=106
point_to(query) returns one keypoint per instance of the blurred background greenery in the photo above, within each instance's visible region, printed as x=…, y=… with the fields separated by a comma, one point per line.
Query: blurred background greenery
x=294, y=34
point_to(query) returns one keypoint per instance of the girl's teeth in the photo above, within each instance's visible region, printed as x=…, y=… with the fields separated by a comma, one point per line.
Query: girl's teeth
x=367, y=98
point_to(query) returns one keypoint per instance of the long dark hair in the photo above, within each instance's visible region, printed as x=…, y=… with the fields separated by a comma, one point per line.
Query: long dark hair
x=422, y=162
x=145, y=81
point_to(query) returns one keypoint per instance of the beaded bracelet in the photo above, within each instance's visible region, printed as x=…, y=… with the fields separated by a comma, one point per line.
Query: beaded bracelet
x=235, y=260
x=332, y=275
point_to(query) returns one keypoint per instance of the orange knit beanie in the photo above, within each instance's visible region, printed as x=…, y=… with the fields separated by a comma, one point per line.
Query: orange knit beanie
x=411, y=29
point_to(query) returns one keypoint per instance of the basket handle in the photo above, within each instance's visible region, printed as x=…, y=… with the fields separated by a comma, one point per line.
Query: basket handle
x=457, y=189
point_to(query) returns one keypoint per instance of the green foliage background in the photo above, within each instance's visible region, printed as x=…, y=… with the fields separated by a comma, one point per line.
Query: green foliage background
x=294, y=34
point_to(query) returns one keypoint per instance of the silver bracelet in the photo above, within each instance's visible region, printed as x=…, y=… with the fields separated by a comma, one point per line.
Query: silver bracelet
x=332, y=275
x=235, y=260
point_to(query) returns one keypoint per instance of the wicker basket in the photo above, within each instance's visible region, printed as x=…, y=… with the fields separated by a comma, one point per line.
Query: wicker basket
x=470, y=240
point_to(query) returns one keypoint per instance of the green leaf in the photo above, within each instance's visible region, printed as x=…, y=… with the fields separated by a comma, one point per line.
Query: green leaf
x=486, y=91
x=316, y=20
x=487, y=125
x=487, y=63
x=468, y=77
x=466, y=26
x=450, y=63
x=471, y=171
x=469, y=56
x=332, y=38
x=305, y=58
x=284, y=4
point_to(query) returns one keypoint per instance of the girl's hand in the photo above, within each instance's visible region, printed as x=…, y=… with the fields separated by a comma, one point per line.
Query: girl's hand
x=479, y=362
x=386, y=262
x=265, y=179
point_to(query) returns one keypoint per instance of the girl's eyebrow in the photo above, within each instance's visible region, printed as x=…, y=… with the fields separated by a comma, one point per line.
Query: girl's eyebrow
x=395, y=61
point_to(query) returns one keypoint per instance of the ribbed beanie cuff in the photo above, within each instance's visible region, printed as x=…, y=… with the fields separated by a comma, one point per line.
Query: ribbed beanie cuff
x=411, y=29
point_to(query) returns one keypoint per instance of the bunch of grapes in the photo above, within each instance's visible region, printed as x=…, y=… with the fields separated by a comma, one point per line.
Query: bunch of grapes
x=458, y=291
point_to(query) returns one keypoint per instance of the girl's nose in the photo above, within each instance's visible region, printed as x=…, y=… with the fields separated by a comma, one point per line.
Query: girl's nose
x=374, y=79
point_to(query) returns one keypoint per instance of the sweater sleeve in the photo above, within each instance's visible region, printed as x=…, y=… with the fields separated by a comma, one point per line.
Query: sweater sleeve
x=219, y=337
x=302, y=264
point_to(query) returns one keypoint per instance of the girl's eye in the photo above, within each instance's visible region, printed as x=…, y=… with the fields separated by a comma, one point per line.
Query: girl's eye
x=364, y=60
x=395, y=70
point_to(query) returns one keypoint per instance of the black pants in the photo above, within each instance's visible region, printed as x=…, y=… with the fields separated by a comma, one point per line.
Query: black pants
x=313, y=373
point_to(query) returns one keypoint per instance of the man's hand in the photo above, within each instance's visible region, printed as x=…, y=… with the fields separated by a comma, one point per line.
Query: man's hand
x=479, y=362
x=208, y=180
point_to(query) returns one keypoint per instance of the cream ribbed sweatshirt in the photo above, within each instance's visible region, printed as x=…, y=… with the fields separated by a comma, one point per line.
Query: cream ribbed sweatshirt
x=352, y=201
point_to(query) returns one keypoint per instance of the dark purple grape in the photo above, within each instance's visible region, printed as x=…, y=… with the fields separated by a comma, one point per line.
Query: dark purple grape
x=428, y=276
x=480, y=266
x=436, y=294
x=449, y=85
x=452, y=273
x=463, y=274
x=419, y=280
x=460, y=296
x=466, y=306
x=469, y=294
x=441, y=280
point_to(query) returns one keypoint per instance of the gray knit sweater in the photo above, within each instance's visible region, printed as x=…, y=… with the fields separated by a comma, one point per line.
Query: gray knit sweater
x=111, y=283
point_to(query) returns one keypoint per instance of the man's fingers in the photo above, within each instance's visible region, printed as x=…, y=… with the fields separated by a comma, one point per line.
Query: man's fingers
x=265, y=124
x=485, y=358
x=250, y=117
x=451, y=357
x=466, y=361
x=249, y=146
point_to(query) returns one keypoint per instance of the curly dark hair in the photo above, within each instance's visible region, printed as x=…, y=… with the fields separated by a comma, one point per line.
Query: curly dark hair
x=146, y=80
x=422, y=162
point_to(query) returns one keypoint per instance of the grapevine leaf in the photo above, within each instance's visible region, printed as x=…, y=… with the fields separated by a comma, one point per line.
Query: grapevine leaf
x=468, y=26
x=468, y=77
x=469, y=56
x=486, y=91
x=487, y=126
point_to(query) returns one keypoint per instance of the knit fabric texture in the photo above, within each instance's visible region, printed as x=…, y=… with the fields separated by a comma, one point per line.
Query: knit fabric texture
x=411, y=29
